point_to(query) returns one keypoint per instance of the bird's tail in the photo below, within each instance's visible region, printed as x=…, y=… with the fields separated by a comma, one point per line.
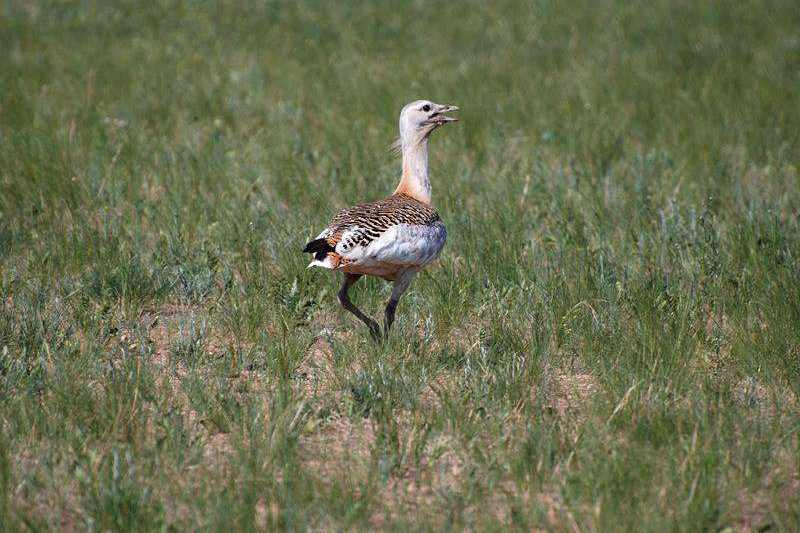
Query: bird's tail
x=325, y=255
x=319, y=247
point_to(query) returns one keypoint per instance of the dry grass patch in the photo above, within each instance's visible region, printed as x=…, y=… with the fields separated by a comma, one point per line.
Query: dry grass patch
x=568, y=391
x=316, y=370
x=342, y=446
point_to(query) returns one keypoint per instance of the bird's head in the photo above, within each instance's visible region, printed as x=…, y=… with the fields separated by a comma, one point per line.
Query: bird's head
x=418, y=119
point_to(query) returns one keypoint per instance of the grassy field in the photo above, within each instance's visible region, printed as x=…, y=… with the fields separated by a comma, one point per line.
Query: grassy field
x=610, y=340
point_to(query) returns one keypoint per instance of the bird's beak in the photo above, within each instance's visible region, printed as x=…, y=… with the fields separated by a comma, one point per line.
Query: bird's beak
x=439, y=118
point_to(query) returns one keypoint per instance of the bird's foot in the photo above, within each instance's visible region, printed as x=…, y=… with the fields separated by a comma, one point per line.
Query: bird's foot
x=375, y=331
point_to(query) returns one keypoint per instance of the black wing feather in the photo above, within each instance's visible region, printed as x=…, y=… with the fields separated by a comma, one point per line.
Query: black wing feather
x=318, y=247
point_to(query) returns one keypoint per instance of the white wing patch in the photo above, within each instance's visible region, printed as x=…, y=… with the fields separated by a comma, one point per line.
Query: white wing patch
x=403, y=244
x=349, y=242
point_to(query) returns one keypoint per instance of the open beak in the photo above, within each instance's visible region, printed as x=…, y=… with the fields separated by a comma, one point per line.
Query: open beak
x=439, y=117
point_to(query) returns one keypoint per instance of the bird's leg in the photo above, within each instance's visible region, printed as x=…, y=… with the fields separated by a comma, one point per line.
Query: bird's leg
x=398, y=288
x=344, y=299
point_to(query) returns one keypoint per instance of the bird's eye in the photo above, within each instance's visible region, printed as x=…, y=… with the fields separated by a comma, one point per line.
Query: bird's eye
x=426, y=108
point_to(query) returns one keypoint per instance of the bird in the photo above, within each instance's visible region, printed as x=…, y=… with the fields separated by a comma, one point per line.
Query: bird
x=392, y=239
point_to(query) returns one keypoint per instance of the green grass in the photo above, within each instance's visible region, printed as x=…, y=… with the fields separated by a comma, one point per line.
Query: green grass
x=610, y=340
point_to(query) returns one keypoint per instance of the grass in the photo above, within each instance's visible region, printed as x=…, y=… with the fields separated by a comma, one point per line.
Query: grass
x=610, y=340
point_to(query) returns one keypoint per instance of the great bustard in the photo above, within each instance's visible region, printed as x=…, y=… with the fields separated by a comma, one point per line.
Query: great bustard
x=395, y=238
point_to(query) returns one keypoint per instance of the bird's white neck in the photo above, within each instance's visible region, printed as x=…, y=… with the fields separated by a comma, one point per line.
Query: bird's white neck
x=415, y=181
